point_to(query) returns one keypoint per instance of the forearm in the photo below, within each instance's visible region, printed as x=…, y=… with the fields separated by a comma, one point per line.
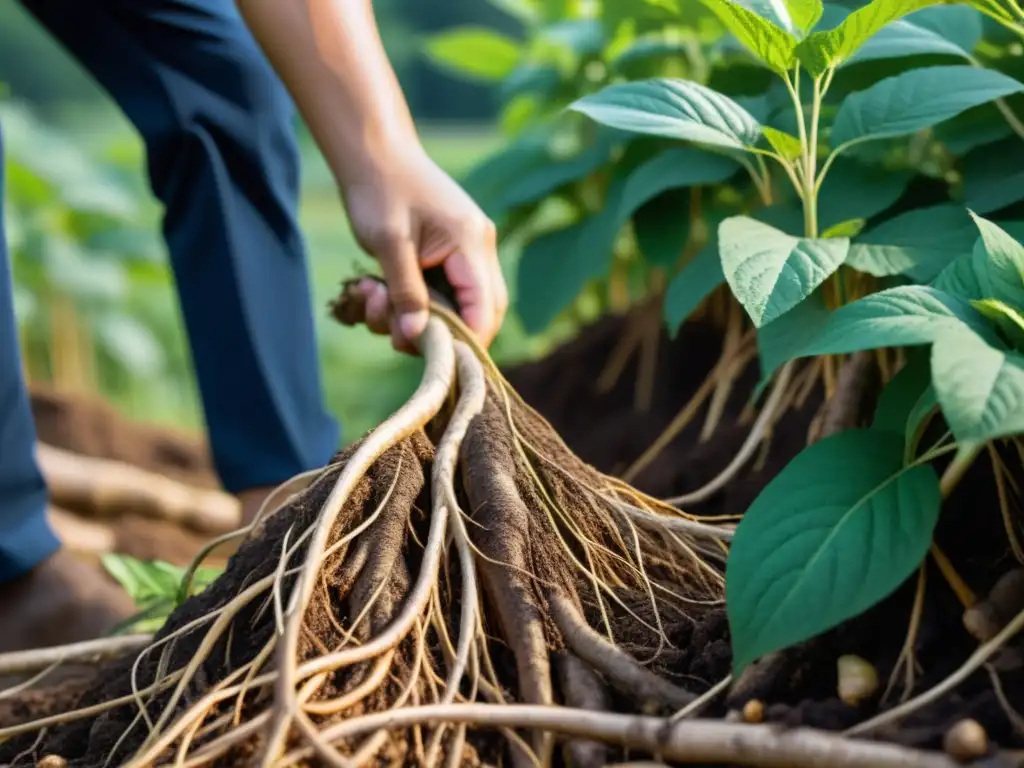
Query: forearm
x=330, y=57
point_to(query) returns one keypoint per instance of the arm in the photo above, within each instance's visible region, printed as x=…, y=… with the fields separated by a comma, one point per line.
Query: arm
x=404, y=210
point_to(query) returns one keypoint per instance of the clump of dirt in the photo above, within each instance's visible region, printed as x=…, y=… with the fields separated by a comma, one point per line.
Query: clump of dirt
x=90, y=426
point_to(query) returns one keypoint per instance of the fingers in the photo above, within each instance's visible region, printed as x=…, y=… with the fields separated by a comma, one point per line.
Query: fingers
x=401, y=307
x=471, y=265
x=475, y=275
x=378, y=307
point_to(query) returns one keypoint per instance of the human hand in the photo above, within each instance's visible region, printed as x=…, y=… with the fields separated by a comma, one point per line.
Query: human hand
x=410, y=215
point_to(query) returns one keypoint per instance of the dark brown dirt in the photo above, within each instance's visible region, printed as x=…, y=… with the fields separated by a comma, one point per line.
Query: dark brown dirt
x=92, y=427
x=147, y=539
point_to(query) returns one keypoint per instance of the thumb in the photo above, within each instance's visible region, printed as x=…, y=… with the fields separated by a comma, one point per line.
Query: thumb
x=406, y=288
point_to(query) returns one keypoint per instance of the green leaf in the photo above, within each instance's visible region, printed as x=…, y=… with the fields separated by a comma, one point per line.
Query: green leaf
x=82, y=275
x=960, y=24
x=980, y=388
x=901, y=394
x=785, y=144
x=143, y=581
x=554, y=267
x=853, y=190
x=671, y=169
x=784, y=339
x=898, y=317
x=917, y=99
x=924, y=33
x=487, y=181
x=822, y=50
x=526, y=11
x=993, y=175
x=1000, y=247
x=538, y=182
x=992, y=270
x=694, y=283
x=131, y=343
x=837, y=531
x=918, y=421
x=805, y=13
x=654, y=198
x=848, y=228
x=1009, y=320
x=771, y=272
x=672, y=109
x=771, y=45
x=662, y=227
x=919, y=243
x=475, y=52
x=583, y=37
x=788, y=218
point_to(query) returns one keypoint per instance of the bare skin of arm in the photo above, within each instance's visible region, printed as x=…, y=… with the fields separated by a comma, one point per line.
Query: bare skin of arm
x=404, y=210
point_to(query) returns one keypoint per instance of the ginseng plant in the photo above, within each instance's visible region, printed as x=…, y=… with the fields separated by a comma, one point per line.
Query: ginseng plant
x=853, y=515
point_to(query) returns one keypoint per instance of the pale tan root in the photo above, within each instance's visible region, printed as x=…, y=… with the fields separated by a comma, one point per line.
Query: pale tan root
x=687, y=741
x=621, y=670
x=762, y=425
x=583, y=689
x=107, y=488
x=22, y=662
x=80, y=534
x=424, y=405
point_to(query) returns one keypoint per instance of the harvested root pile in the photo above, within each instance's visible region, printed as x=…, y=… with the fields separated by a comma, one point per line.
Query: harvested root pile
x=452, y=576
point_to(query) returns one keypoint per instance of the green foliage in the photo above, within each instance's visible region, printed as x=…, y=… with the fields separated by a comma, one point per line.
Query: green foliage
x=829, y=49
x=673, y=109
x=475, y=51
x=917, y=99
x=156, y=587
x=79, y=243
x=770, y=44
x=980, y=387
x=771, y=272
x=829, y=164
x=839, y=529
x=919, y=243
x=694, y=283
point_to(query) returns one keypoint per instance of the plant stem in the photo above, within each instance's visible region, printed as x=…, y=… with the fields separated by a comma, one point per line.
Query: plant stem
x=956, y=470
x=963, y=592
x=794, y=94
x=811, y=165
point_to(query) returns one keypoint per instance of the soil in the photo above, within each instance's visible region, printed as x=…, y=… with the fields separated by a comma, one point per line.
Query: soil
x=92, y=427
x=605, y=430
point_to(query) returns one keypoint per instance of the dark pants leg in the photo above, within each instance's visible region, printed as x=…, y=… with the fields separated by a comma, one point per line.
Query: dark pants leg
x=222, y=159
x=25, y=537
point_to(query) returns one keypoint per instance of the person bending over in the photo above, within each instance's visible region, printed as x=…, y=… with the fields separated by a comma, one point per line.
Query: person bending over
x=210, y=85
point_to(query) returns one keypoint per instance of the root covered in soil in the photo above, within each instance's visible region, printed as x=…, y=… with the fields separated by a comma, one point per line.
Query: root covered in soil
x=458, y=573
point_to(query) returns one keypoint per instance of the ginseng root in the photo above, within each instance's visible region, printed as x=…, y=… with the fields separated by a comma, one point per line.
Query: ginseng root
x=457, y=554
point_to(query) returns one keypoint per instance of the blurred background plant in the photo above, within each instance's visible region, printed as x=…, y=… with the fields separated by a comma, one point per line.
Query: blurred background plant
x=94, y=293
x=592, y=220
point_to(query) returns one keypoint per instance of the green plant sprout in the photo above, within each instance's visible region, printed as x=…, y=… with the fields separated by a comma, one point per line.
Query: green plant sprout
x=156, y=587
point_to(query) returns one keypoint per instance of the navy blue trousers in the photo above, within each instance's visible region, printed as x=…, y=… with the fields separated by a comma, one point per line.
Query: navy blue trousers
x=223, y=161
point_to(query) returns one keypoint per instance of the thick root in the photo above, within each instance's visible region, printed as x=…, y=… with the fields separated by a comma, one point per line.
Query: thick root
x=441, y=561
x=583, y=689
